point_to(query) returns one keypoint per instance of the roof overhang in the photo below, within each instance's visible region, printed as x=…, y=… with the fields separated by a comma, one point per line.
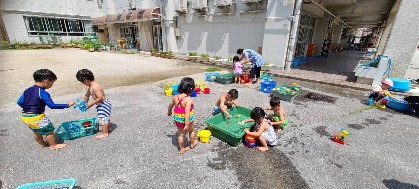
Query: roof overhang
x=134, y=16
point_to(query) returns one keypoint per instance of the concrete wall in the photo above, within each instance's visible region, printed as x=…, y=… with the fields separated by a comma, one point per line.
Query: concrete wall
x=389, y=23
x=403, y=38
x=221, y=35
x=337, y=33
x=65, y=7
x=320, y=32
x=119, y=6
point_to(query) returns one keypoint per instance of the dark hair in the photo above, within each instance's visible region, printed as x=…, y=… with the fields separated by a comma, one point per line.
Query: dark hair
x=85, y=74
x=257, y=113
x=236, y=58
x=239, y=51
x=275, y=101
x=234, y=94
x=44, y=74
x=187, y=85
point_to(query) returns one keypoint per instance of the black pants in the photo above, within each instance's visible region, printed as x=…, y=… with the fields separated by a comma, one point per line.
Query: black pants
x=255, y=71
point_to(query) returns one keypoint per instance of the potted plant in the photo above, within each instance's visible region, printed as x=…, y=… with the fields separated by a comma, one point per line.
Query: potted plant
x=193, y=56
x=153, y=52
x=204, y=58
x=158, y=53
x=217, y=60
x=170, y=55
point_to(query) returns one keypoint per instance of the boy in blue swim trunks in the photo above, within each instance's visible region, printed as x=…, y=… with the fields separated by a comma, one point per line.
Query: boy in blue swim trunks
x=225, y=102
x=33, y=102
x=103, y=105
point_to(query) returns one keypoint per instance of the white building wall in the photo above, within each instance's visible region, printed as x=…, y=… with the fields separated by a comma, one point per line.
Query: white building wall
x=120, y=6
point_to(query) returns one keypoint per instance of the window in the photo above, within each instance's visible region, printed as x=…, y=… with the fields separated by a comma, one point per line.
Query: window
x=305, y=33
x=57, y=26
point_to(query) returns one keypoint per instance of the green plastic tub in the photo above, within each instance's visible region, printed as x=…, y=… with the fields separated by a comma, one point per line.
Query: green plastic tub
x=76, y=129
x=225, y=78
x=229, y=131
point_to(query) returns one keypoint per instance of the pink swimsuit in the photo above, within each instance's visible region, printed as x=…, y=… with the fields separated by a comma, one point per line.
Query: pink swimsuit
x=179, y=114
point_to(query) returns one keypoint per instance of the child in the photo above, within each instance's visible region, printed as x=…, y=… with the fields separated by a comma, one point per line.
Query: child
x=103, y=105
x=237, y=69
x=226, y=101
x=263, y=129
x=380, y=92
x=183, y=113
x=33, y=102
x=278, y=119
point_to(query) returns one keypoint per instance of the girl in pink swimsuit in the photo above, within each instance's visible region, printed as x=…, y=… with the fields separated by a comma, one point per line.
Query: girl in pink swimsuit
x=183, y=113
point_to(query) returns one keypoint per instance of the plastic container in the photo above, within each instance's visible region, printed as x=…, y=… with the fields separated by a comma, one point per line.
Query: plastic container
x=400, y=84
x=225, y=78
x=198, y=90
x=211, y=76
x=174, y=88
x=245, y=78
x=204, y=135
x=250, y=141
x=64, y=183
x=193, y=93
x=168, y=92
x=286, y=92
x=76, y=129
x=267, y=86
x=229, y=130
x=398, y=104
x=207, y=91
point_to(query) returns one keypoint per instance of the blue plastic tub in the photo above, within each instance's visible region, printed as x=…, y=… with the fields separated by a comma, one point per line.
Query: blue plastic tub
x=193, y=93
x=267, y=86
x=211, y=76
x=400, y=84
x=64, y=183
x=398, y=104
x=174, y=88
x=296, y=62
x=76, y=129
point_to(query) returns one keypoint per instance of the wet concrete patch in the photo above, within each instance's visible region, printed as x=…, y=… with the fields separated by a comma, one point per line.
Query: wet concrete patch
x=372, y=121
x=322, y=131
x=337, y=165
x=3, y=132
x=356, y=126
x=255, y=169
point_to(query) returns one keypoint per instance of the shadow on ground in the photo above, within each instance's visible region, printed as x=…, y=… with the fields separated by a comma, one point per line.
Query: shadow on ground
x=395, y=184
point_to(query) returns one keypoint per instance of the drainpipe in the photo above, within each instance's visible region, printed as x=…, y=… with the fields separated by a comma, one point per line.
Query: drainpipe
x=293, y=36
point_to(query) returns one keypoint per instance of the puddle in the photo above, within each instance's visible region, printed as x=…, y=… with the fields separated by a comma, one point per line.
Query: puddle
x=356, y=126
x=255, y=169
x=372, y=121
x=337, y=165
x=320, y=97
x=322, y=131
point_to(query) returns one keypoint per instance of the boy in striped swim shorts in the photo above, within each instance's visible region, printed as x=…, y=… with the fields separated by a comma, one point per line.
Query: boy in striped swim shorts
x=103, y=105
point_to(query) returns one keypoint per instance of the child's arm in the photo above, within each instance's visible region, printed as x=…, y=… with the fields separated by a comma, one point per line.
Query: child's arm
x=87, y=95
x=169, y=110
x=187, y=113
x=234, y=103
x=259, y=132
x=222, y=107
x=99, y=96
x=48, y=101
x=249, y=120
x=20, y=101
x=268, y=108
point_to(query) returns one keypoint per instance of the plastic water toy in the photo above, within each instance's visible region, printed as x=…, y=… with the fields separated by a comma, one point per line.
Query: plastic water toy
x=238, y=115
x=250, y=141
x=82, y=106
x=168, y=85
x=207, y=91
x=73, y=126
x=387, y=93
x=204, y=135
x=340, y=138
x=168, y=92
x=64, y=183
x=290, y=89
x=198, y=90
x=266, y=77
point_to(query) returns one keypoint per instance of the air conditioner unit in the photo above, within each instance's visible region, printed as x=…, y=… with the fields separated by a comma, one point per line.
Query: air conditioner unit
x=199, y=4
x=251, y=1
x=182, y=6
x=221, y=3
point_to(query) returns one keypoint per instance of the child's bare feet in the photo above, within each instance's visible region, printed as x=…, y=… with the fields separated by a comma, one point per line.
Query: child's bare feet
x=57, y=146
x=194, y=144
x=103, y=135
x=263, y=148
x=183, y=150
x=43, y=145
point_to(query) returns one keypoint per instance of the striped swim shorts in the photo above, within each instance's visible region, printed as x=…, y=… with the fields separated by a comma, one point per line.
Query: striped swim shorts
x=104, y=112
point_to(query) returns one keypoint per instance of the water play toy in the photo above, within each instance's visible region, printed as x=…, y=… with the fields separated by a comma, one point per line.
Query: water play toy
x=207, y=91
x=249, y=141
x=64, y=183
x=340, y=138
x=82, y=106
x=204, y=135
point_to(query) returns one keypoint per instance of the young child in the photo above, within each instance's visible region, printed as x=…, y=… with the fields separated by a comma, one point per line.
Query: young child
x=103, y=105
x=278, y=119
x=33, y=102
x=263, y=129
x=237, y=68
x=226, y=101
x=380, y=92
x=183, y=113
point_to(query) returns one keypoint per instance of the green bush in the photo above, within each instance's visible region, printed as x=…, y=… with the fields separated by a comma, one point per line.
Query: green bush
x=217, y=57
x=193, y=54
x=204, y=55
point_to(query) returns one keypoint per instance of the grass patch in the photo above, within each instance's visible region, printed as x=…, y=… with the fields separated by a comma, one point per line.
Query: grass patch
x=213, y=69
x=362, y=110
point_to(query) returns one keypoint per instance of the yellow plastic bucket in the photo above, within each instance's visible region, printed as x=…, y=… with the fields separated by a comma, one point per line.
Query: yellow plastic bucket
x=168, y=92
x=204, y=135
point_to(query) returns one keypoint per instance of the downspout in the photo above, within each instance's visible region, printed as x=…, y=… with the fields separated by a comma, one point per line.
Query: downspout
x=294, y=29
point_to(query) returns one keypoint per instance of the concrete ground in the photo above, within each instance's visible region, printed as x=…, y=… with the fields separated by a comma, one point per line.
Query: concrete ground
x=413, y=70
x=141, y=151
